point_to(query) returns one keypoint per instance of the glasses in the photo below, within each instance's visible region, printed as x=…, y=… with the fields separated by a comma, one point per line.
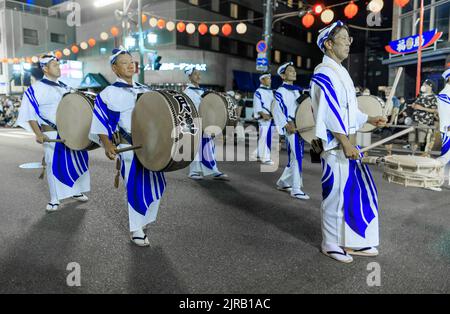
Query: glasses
x=349, y=39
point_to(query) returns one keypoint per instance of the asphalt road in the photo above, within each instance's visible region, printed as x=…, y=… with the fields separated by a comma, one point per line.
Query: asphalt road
x=241, y=236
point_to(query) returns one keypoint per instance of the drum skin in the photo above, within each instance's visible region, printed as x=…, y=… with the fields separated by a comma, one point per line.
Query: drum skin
x=217, y=110
x=166, y=124
x=74, y=118
x=372, y=106
x=304, y=120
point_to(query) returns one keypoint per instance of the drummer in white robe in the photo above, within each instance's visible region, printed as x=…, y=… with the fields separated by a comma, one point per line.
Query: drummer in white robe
x=67, y=170
x=444, y=119
x=350, y=202
x=112, y=117
x=262, y=103
x=284, y=116
x=205, y=163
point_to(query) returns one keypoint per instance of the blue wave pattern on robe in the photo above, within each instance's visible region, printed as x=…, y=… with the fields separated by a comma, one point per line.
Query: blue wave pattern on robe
x=445, y=144
x=67, y=165
x=327, y=180
x=141, y=183
x=299, y=151
x=358, y=212
x=108, y=118
x=208, y=152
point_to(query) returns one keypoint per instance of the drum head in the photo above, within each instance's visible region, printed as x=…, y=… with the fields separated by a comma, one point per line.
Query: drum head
x=213, y=111
x=412, y=162
x=304, y=120
x=372, y=106
x=158, y=126
x=74, y=118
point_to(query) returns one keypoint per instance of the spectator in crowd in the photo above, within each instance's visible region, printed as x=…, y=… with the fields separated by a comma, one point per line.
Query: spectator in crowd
x=9, y=109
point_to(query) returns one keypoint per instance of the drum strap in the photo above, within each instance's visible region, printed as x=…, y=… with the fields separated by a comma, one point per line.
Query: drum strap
x=125, y=135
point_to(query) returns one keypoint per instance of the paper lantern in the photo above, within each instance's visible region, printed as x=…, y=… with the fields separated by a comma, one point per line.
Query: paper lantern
x=16, y=60
x=66, y=52
x=114, y=31
x=226, y=29
x=351, y=10
x=308, y=20
x=104, y=36
x=401, y=3
x=75, y=49
x=84, y=45
x=214, y=29
x=241, y=28
x=161, y=24
x=375, y=6
x=144, y=18
x=317, y=9
x=92, y=42
x=327, y=16
x=181, y=27
x=202, y=29
x=153, y=22
x=190, y=28
x=35, y=59
x=28, y=60
x=170, y=26
x=58, y=54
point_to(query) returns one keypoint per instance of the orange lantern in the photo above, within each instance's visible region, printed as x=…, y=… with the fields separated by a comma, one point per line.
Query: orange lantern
x=16, y=60
x=351, y=10
x=202, y=29
x=226, y=29
x=58, y=54
x=308, y=20
x=5, y=60
x=91, y=42
x=144, y=18
x=401, y=3
x=181, y=27
x=28, y=60
x=114, y=31
x=75, y=49
x=161, y=24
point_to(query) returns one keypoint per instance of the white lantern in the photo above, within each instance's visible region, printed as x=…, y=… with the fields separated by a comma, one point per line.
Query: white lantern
x=104, y=36
x=375, y=6
x=241, y=28
x=66, y=52
x=35, y=59
x=84, y=45
x=153, y=22
x=170, y=26
x=190, y=28
x=214, y=29
x=327, y=16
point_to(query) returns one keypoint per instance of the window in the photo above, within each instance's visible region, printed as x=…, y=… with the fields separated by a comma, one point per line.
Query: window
x=309, y=37
x=215, y=5
x=250, y=51
x=233, y=46
x=194, y=2
x=58, y=38
x=277, y=56
x=308, y=63
x=215, y=43
x=234, y=10
x=442, y=20
x=299, y=61
x=193, y=40
x=30, y=36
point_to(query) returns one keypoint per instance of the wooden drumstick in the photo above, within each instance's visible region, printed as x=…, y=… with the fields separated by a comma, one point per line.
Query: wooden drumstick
x=122, y=150
x=387, y=139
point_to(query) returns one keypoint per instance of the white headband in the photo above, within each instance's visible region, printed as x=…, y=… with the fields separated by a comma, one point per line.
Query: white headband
x=283, y=67
x=324, y=34
x=47, y=59
x=189, y=70
x=263, y=76
x=446, y=74
x=116, y=52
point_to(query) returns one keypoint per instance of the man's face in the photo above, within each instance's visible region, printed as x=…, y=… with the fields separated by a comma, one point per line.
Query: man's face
x=195, y=77
x=124, y=66
x=290, y=74
x=52, y=69
x=340, y=44
x=267, y=81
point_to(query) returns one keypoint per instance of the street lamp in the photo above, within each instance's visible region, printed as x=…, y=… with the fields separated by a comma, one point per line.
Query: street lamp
x=152, y=38
x=130, y=42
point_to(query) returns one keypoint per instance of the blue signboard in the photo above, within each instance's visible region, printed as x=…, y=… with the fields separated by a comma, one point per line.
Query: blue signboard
x=411, y=43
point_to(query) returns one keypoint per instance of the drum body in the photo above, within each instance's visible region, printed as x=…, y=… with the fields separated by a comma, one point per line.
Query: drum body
x=413, y=171
x=74, y=118
x=372, y=106
x=165, y=123
x=217, y=110
x=304, y=119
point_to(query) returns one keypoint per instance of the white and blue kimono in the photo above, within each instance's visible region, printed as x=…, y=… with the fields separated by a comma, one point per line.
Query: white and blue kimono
x=350, y=198
x=284, y=111
x=67, y=170
x=262, y=102
x=444, y=122
x=205, y=163
x=112, y=113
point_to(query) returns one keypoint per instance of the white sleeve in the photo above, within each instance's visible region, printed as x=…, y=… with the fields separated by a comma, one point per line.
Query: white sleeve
x=27, y=110
x=256, y=104
x=361, y=119
x=101, y=123
x=279, y=116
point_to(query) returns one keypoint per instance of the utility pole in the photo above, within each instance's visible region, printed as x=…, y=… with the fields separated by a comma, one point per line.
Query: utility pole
x=268, y=17
x=141, y=44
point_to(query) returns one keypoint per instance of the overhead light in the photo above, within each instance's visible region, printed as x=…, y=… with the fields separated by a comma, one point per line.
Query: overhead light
x=130, y=42
x=152, y=38
x=104, y=3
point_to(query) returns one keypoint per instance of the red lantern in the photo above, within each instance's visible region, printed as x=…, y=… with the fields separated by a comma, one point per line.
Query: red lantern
x=114, y=31
x=317, y=9
x=58, y=54
x=202, y=29
x=308, y=20
x=226, y=29
x=401, y=3
x=181, y=27
x=161, y=24
x=351, y=10
x=144, y=18
x=75, y=49
x=91, y=42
